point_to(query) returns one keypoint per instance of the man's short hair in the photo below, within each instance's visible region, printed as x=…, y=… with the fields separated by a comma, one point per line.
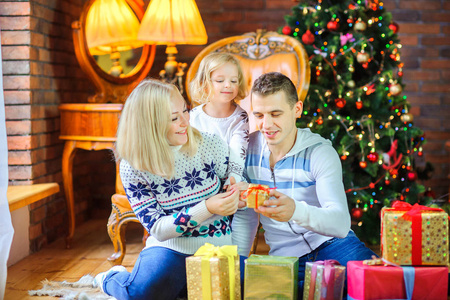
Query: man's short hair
x=273, y=82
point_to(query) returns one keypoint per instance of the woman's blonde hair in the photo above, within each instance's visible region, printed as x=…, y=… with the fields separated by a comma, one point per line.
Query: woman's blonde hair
x=143, y=127
x=201, y=87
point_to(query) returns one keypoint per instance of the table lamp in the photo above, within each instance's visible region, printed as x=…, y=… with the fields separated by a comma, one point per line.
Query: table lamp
x=112, y=27
x=172, y=22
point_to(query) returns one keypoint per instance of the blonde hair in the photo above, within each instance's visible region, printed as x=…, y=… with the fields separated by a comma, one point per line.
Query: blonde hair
x=143, y=127
x=201, y=87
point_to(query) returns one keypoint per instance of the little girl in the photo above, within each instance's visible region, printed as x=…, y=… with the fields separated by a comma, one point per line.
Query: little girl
x=172, y=176
x=219, y=82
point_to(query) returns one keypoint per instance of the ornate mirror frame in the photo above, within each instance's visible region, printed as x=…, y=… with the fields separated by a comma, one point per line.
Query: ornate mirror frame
x=110, y=89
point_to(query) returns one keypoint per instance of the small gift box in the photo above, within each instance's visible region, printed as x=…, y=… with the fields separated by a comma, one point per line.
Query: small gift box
x=271, y=277
x=394, y=282
x=213, y=273
x=414, y=235
x=256, y=195
x=324, y=280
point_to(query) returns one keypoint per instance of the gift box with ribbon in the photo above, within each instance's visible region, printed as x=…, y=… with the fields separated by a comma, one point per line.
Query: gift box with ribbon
x=271, y=277
x=213, y=273
x=324, y=280
x=256, y=195
x=394, y=282
x=414, y=234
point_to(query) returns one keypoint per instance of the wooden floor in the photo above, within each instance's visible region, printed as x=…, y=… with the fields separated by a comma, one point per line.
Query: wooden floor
x=90, y=248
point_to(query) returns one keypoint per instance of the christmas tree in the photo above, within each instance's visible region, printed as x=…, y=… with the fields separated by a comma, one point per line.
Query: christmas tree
x=355, y=100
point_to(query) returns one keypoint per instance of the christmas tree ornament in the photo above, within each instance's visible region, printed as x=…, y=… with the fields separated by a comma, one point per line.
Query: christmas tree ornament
x=286, y=30
x=390, y=159
x=343, y=157
x=345, y=38
x=351, y=84
x=394, y=27
x=340, y=102
x=395, y=89
x=333, y=25
x=420, y=152
x=332, y=55
x=400, y=72
x=363, y=164
x=351, y=68
x=411, y=175
x=357, y=213
x=362, y=57
x=407, y=118
x=308, y=37
x=319, y=121
x=359, y=103
x=372, y=157
x=387, y=181
x=430, y=193
x=360, y=25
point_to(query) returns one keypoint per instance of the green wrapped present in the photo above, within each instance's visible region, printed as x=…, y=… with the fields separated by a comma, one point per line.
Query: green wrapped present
x=271, y=277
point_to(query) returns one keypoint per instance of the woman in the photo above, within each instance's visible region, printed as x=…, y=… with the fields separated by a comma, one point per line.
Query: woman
x=172, y=176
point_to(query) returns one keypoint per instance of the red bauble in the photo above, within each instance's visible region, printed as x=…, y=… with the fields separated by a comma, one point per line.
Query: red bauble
x=286, y=30
x=359, y=104
x=363, y=164
x=372, y=157
x=332, y=55
x=357, y=213
x=319, y=121
x=430, y=193
x=343, y=157
x=387, y=182
x=333, y=25
x=394, y=27
x=308, y=38
x=340, y=102
x=412, y=176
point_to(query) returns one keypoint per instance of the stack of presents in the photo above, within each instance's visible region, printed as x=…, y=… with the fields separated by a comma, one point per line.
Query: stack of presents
x=414, y=265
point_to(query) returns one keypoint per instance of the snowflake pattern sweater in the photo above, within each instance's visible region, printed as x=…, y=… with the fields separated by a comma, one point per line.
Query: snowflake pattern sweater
x=174, y=210
x=233, y=130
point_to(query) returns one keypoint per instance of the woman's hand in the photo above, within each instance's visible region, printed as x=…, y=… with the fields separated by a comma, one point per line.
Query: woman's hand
x=223, y=204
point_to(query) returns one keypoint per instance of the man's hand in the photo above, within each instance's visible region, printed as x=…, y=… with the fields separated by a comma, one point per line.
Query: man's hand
x=282, y=210
x=240, y=186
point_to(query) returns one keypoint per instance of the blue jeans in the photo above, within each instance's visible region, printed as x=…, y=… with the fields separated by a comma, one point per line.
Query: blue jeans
x=159, y=273
x=343, y=250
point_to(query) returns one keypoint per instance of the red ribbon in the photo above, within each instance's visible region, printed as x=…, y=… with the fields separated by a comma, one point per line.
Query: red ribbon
x=328, y=276
x=259, y=188
x=414, y=215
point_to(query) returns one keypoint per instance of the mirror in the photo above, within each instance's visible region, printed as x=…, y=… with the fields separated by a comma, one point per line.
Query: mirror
x=135, y=62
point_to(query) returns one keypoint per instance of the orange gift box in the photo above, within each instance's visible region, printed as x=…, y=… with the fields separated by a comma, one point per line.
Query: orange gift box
x=257, y=194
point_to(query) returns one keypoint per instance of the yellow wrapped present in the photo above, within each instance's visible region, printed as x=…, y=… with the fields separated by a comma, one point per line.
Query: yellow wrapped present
x=271, y=277
x=213, y=273
x=414, y=235
x=256, y=195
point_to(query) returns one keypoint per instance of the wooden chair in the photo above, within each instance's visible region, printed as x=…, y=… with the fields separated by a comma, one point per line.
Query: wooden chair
x=260, y=52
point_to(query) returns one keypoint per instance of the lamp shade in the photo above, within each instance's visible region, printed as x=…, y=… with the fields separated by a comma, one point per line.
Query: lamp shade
x=111, y=24
x=173, y=22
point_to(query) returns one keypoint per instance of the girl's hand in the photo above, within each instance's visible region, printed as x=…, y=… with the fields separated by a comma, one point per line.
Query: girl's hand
x=223, y=204
x=240, y=186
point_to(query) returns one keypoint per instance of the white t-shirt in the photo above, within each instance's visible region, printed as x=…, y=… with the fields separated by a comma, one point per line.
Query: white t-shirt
x=233, y=130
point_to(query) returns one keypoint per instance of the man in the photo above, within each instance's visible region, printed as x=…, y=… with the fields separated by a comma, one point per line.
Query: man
x=307, y=215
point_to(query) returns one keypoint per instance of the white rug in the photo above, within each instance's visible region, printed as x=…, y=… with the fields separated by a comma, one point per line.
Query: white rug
x=80, y=290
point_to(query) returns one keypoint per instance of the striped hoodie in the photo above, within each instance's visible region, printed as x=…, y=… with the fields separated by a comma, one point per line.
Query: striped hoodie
x=311, y=174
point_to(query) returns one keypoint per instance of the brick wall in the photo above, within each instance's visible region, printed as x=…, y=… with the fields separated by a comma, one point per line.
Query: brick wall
x=41, y=71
